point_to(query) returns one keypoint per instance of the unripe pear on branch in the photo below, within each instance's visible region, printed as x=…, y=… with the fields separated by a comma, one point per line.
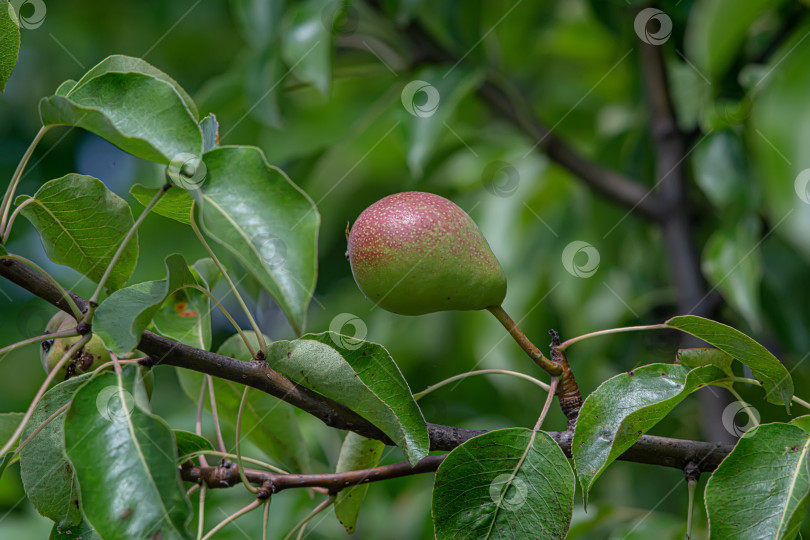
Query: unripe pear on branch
x=414, y=253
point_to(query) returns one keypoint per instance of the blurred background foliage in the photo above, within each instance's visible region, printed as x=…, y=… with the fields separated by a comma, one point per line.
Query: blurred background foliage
x=317, y=85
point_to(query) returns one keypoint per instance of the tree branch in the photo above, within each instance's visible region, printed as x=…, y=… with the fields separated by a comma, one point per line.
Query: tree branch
x=608, y=183
x=649, y=449
x=611, y=184
x=676, y=223
x=227, y=475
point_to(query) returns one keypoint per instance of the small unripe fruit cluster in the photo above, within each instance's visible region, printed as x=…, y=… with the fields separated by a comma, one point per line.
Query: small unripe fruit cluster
x=89, y=357
x=413, y=253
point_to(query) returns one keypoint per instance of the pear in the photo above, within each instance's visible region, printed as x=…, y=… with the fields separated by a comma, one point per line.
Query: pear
x=89, y=357
x=413, y=253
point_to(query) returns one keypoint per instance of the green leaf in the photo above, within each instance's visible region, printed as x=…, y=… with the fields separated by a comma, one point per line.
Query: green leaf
x=262, y=74
x=125, y=461
x=174, y=204
x=721, y=170
x=65, y=87
x=206, y=269
x=210, y=132
x=118, y=63
x=189, y=443
x=699, y=357
x=9, y=422
x=133, y=105
x=268, y=422
x=732, y=263
x=48, y=477
x=266, y=221
x=258, y=21
x=4, y=461
x=125, y=314
x=804, y=423
x=9, y=42
x=624, y=407
x=429, y=102
x=306, y=43
x=356, y=453
x=82, y=531
x=761, y=490
x=81, y=224
x=360, y=375
x=766, y=368
x=778, y=140
x=508, y=483
x=717, y=30
x=185, y=315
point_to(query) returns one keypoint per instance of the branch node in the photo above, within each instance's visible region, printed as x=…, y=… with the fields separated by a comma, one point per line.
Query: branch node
x=567, y=391
x=147, y=362
x=265, y=490
x=691, y=472
x=83, y=328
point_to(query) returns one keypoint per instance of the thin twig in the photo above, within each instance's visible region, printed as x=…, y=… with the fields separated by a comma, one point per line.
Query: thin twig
x=462, y=376
x=266, y=518
x=121, y=247
x=47, y=421
x=233, y=517
x=245, y=481
x=794, y=399
x=13, y=217
x=228, y=455
x=214, y=412
x=530, y=349
x=198, y=422
x=37, y=339
x=317, y=510
x=42, y=389
x=229, y=281
x=547, y=404
x=8, y=197
x=568, y=342
x=201, y=512
x=227, y=316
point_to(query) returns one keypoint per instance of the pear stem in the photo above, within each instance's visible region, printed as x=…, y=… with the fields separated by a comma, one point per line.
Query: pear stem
x=517, y=334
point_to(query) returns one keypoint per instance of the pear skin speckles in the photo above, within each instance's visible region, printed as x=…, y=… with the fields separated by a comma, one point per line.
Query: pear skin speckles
x=413, y=253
